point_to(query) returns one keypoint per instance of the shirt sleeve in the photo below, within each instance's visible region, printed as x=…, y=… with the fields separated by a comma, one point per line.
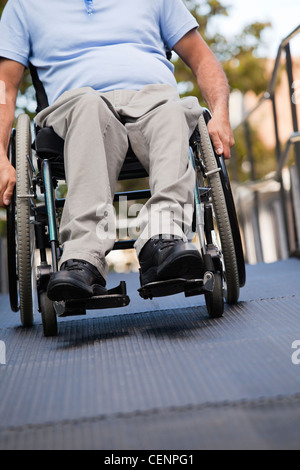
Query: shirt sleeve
x=176, y=21
x=14, y=35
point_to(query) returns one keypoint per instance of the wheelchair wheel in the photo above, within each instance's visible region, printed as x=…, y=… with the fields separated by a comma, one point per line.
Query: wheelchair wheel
x=24, y=228
x=48, y=314
x=11, y=237
x=221, y=216
x=235, y=229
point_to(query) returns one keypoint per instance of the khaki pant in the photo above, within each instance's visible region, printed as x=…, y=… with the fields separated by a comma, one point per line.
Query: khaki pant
x=96, y=128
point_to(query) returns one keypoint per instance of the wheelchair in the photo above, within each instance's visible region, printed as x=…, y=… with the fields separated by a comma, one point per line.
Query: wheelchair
x=33, y=229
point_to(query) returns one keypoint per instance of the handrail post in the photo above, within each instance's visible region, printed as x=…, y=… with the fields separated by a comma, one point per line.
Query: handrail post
x=281, y=157
x=257, y=231
x=289, y=68
x=276, y=130
x=278, y=156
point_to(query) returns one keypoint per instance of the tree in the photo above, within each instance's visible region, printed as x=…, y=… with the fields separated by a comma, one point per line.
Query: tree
x=2, y=5
x=238, y=55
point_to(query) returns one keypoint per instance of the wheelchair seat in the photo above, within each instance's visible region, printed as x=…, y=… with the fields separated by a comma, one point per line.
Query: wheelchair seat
x=50, y=146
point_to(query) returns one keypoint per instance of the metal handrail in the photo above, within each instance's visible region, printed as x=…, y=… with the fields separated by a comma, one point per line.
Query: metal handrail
x=272, y=84
x=269, y=94
x=284, y=43
x=293, y=139
x=281, y=154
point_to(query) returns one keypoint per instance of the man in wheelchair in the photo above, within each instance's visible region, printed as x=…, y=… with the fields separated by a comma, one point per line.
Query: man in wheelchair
x=106, y=82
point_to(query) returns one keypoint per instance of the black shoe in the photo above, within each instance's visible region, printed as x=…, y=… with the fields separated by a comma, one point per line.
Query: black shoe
x=167, y=258
x=77, y=279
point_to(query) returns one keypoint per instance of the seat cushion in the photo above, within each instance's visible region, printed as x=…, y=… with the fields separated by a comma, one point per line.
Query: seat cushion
x=49, y=145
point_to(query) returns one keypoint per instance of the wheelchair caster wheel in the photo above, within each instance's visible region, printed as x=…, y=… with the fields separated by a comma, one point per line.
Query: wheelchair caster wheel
x=215, y=300
x=48, y=314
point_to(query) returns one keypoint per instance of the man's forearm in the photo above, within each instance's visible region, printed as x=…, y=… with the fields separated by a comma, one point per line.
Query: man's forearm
x=7, y=172
x=213, y=84
x=10, y=78
x=208, y=71
x=214, y=87
x=11, y=74
x=7, y=111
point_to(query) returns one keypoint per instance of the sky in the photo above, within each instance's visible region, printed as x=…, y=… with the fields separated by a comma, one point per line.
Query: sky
x=283, y=14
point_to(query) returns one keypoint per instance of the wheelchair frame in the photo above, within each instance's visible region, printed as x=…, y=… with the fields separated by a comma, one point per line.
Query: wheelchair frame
x=32, y=226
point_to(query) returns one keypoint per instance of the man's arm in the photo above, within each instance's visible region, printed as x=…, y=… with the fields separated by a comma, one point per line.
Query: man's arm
x=213, y=85
x=11, y=74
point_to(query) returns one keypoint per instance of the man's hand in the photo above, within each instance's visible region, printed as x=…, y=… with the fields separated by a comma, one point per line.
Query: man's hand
x=7, y=181
x=221, y=133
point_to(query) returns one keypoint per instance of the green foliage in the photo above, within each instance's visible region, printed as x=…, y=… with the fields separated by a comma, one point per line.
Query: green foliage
x=238, y=54
x=2, y=5
x=2, y=223
x=245, y=70
x=264, y=160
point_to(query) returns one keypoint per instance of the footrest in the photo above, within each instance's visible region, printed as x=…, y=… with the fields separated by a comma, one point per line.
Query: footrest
x=115, y=298
x=176, y=286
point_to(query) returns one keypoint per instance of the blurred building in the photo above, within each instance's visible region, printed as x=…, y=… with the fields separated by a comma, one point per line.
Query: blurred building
x=263, y=214
x=262, y=119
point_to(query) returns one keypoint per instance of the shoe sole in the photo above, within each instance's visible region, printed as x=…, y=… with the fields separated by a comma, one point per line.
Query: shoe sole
x=72, y=291
x=186, y=266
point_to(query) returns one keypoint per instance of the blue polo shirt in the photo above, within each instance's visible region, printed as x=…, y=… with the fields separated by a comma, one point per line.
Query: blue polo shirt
x=121, y=45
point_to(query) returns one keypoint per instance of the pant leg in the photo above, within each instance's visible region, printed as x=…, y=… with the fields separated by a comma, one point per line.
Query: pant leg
x=96, y=144
x=160, y=139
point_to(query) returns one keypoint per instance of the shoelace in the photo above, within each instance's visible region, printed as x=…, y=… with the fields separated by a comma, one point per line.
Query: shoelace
x=81, y=265
x=165, y=242
x=74, y=265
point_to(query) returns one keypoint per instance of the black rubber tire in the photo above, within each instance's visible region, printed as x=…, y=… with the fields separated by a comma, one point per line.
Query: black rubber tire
x=49, y=318
x=234, y=223
x=11, y=238
x=25, y=231
x=231, y=272
x=215, y=300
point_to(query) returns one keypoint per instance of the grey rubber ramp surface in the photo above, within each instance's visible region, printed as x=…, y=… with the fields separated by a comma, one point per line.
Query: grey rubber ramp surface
x=159, y=375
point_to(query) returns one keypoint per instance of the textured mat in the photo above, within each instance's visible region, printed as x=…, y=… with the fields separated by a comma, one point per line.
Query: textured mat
x=162, y=379
x=264, y=424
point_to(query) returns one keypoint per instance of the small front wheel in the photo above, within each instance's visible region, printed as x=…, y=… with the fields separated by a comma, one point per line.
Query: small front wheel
x=48, y=314
x=215, y=300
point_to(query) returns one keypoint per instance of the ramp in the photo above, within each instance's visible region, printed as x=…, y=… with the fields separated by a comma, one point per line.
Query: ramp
x=159, y=374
